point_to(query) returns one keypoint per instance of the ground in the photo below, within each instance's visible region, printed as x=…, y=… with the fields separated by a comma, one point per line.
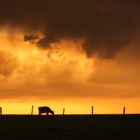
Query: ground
x=70, y=127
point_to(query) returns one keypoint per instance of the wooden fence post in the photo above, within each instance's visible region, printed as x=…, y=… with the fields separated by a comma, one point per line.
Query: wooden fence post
x=63, y=111
x=92, y=110
x=0, y=110
x=124, y=110
x=32, y=110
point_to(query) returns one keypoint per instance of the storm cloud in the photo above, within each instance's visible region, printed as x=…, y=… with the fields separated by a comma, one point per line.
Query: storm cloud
x=105, y=26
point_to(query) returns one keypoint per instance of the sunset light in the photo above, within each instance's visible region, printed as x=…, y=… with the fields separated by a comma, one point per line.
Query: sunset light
x=69, y=54
x=63, y=76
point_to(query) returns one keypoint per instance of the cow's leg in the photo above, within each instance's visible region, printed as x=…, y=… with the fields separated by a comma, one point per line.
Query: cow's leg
x=39, y=112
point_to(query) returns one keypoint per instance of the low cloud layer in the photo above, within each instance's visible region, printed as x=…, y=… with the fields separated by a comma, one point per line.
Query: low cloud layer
x=105, y=26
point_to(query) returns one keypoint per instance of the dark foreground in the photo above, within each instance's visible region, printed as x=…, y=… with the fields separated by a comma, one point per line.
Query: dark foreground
x=70, y=127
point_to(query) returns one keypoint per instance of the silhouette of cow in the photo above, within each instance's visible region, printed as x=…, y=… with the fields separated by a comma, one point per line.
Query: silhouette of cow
x=45, y=109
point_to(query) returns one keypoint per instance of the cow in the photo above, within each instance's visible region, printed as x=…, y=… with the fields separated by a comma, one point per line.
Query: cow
x=45, y=109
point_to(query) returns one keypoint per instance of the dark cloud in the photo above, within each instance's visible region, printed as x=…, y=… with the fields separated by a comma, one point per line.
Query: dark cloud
x=106, y=26
x=31, y=38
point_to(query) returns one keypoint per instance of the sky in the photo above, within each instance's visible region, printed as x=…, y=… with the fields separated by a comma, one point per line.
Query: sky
x=70, y=54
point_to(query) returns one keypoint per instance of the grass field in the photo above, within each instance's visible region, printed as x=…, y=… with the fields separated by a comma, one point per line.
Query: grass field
x=69, y=127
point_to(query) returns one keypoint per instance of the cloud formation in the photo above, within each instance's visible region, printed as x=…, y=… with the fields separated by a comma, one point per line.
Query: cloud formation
x=8, y=64
x=105, y=26
x=102, y=28
x=27, y=71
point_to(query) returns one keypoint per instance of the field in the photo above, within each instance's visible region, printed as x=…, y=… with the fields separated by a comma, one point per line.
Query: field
x=69, y=127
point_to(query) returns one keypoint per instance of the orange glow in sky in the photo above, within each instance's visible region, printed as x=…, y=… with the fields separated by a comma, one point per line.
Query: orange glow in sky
x=63, y=77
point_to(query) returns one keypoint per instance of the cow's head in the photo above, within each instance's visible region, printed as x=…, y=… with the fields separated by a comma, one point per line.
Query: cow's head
x=52, y=112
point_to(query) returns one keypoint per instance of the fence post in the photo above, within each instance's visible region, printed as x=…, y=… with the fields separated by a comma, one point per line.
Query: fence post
x=92, y=110
x=63, y=111
x=124, y=110
x=32, y=110
x=0, y=110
